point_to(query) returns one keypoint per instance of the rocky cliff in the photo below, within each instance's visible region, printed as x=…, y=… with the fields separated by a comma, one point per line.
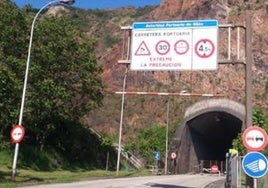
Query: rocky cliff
x=229, y=80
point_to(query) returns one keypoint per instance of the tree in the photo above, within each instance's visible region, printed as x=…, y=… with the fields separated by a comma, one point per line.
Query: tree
x=12, y=57
x=64, y=80
x=259, y=119
x=151, y=139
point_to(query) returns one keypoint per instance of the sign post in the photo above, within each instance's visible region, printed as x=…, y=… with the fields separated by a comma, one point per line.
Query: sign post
x=157, y=155
x=255, y=164
x=156, y=161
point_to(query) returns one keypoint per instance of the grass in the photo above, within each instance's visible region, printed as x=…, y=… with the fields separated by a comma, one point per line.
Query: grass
x=26, y=177
x=37, y=167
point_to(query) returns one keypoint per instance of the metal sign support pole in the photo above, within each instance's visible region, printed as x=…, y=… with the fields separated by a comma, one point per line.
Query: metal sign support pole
x=127, y=37
x=166, y=157
x=249, y=85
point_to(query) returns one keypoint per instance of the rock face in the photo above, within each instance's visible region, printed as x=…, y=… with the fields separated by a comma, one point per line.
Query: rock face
x=228, y=79
x=191, y=9
x=58, y=10
x=228, y=12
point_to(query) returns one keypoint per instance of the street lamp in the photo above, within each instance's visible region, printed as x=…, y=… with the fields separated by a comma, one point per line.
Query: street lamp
x=67, y=2
x=121, y=123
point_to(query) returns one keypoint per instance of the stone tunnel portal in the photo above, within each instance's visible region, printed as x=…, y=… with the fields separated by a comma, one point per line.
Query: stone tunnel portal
x=207, y=133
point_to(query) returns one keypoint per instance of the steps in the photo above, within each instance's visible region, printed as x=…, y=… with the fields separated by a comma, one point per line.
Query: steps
x=130, y=157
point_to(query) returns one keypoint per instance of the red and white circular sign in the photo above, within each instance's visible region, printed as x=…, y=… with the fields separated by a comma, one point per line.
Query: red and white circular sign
x=204, y=48
x=17, y=133
x=214, y=169
x=181, y=47
x=254, y=138
x=162, y=47
x=173, y=155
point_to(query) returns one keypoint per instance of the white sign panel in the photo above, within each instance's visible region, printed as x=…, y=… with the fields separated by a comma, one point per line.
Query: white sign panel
x=176, y=45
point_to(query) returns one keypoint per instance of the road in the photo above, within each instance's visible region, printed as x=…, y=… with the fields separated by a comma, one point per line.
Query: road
x=170, y=181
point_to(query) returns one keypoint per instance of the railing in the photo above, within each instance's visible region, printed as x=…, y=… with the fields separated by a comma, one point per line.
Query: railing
x=130, y=157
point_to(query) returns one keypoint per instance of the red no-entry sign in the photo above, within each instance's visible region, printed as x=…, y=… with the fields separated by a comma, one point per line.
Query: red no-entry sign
x=17, y=134
x=214, y=169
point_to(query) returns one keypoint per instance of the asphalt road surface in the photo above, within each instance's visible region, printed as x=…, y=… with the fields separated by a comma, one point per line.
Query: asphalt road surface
x=170, y=181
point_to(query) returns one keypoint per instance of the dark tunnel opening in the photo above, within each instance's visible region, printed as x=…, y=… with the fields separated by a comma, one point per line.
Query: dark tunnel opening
x=212, y=134
x=206, y=134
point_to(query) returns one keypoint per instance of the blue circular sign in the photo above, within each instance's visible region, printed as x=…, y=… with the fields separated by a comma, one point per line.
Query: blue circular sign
x=255, y=164
x=156, y=155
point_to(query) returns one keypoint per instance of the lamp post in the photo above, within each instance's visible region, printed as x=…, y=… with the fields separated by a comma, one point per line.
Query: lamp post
x=67, y=2
x=121, y=123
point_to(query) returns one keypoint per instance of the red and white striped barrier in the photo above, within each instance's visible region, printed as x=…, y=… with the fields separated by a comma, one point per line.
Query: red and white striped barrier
x=169, y=94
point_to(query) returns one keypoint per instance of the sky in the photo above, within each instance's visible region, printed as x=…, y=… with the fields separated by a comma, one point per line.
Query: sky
x=92, y=4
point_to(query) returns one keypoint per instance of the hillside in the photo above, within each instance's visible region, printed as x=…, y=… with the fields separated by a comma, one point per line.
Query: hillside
x=141, y=112
x=97, y=42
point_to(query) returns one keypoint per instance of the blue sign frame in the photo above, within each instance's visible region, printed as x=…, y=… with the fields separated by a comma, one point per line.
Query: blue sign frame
x=255, y=164
x=175, y=24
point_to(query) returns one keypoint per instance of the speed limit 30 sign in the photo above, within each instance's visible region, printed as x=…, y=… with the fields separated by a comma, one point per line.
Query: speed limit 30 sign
x=162, y=47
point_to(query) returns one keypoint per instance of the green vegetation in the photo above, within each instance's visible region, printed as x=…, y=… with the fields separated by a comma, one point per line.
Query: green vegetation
x=32, y=177
x=150, y=140
x=258, y=119
x=64, y=84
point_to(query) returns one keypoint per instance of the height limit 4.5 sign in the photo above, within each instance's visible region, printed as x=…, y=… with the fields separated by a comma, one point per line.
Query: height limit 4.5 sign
x=175, y=45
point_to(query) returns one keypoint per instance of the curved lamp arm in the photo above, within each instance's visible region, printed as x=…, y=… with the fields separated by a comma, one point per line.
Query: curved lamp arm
x=68, y=2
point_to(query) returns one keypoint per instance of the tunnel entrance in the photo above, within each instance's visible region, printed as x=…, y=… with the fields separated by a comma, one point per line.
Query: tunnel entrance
x=207, y=133
x=212, y=134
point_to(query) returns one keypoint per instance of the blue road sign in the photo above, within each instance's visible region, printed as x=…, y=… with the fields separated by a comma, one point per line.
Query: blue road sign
x=157, y=155
x=255, y=164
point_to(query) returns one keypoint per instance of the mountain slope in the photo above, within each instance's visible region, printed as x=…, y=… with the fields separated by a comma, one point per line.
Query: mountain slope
x=144, y=111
